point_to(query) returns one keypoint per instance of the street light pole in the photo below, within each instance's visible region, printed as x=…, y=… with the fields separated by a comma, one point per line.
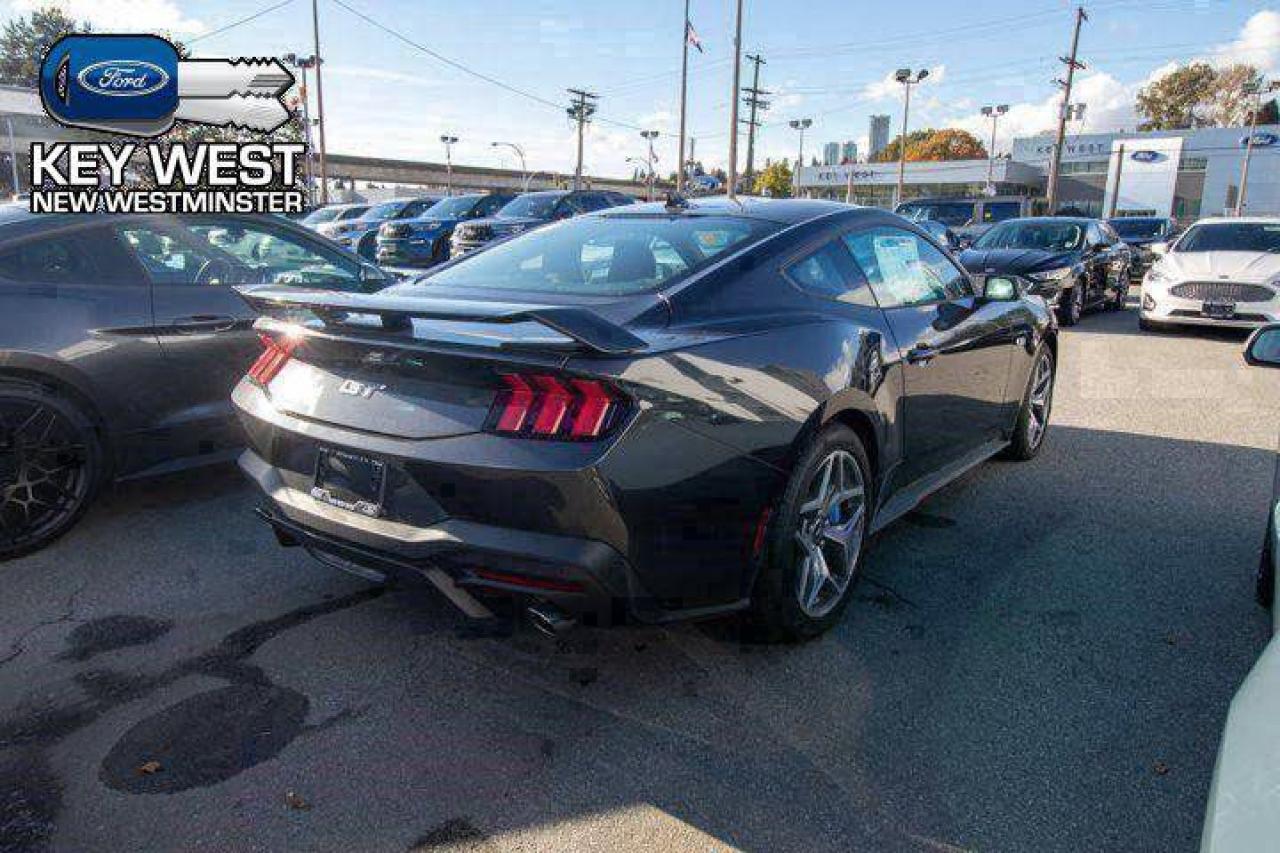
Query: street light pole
x=324, y=164
x=524, y=169
x=684, y=95
x=994, y=114
x=449, y=142
x=649, y=136
x=800, y=124
x=1253, y=87
x=907, y=79
x=733, y=105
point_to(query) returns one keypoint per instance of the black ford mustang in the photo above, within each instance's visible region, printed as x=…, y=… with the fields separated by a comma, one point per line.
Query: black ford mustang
x=662, y=411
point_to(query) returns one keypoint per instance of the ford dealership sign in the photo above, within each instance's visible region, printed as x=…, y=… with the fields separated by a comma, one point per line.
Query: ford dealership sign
x=1260, y=140
x=1147, y=156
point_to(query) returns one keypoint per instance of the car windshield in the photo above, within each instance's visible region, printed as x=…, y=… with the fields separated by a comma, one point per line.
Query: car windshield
x=533, y=205
x=600, y=256
x=450, y=208
x=1138, y=228
x=1231, y=237
x=1049, y=236
x=350, y=213
x=386, y=210
x=324, y=214
x=953, y=213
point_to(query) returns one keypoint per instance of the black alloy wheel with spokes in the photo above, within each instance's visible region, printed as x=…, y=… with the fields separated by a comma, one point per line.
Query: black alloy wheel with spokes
x=50, y=466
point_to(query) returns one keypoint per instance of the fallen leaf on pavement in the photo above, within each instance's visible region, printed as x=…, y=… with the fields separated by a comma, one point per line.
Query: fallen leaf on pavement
x=148, y=768
x=1161, y=768
x=294, y=801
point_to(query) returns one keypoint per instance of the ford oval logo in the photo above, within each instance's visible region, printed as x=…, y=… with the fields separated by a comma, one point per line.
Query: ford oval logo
x=1260, y=140
x=123, y=79
x=1146, y=156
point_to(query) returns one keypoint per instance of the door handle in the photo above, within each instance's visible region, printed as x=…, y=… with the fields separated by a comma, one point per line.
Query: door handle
x=204, y=323
x=921, y=354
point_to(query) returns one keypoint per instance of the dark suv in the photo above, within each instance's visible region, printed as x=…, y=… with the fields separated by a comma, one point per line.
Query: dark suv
x=121, y=338
x=532, y=210
x=424, y=241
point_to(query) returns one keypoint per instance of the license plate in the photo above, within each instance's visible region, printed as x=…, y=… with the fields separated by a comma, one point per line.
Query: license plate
x=350, y=481
x=1218, y=310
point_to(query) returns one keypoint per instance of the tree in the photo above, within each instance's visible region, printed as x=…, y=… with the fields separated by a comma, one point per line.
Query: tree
x=775, y=180
x=930, y=144
x=1198, y=95
x=24, y=42
x=1269, y=113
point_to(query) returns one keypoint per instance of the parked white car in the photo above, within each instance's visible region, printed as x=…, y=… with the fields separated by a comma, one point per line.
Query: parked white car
x=1220, y=272
x=1243, y=815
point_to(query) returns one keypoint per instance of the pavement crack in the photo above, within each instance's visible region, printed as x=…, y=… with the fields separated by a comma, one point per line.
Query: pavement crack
x=19, y=644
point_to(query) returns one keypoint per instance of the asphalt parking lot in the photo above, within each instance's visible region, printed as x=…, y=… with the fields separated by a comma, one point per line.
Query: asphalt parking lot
x=1040, y=658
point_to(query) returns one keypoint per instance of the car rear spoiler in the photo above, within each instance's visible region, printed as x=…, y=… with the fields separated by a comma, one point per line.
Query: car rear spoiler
x=584, y=326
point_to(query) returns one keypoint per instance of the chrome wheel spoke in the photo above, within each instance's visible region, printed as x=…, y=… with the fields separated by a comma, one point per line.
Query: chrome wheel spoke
x=830, y=529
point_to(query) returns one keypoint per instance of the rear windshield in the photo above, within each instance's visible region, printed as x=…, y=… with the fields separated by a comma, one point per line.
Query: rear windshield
x=324, y=214
x=449, y=208
x=1138, y=227
x=600, y=256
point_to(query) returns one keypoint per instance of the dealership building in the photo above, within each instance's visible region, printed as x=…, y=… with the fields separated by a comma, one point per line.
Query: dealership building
x=1181, y=173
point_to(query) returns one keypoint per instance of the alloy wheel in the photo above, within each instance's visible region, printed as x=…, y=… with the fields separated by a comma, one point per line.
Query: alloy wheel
x=44, y=476
x=1040, y=401
x=829, y=533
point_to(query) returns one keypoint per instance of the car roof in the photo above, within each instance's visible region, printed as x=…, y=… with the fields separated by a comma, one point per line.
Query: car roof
x=785, y=210
x=1078, y=220
x=1245, y=220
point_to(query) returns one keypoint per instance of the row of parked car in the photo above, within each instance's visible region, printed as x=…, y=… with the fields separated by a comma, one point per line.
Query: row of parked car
x=423, y=231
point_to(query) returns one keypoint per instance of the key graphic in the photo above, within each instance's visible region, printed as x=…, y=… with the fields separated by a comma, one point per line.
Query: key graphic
x=138, y=85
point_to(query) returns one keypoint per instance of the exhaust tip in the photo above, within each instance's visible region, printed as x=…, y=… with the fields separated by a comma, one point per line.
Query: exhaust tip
x=549, y=619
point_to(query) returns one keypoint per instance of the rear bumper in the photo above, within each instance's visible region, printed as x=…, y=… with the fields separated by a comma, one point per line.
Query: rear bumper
x=406, y=250
x=582, y=576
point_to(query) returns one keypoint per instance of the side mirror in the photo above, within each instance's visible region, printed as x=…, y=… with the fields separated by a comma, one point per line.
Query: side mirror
x=1160, y=248
x=1263, y=348
x=998, y=288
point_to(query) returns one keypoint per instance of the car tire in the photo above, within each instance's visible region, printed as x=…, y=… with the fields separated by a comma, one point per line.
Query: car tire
x=1122, y=294
x=1037, y=405
x=1265, y=579
x=1151, y=325
x=51, y=465
x=821, y=522
x=1071, y=305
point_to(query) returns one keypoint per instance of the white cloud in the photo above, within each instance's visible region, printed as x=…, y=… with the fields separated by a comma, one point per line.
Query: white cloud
x=888, y=87
x=121, y=15
x=1258, y=44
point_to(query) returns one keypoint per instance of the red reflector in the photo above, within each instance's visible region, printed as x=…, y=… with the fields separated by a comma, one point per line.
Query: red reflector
x=529, y=581
x=555, y=405
x=516, y=405
x=275, y=355
x=593, y=410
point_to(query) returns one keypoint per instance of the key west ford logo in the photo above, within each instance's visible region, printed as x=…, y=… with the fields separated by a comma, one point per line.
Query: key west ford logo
x=140, y=86
x=123, y=79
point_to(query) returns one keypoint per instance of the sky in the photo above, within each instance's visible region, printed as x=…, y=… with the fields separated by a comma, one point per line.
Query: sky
x=828, y=60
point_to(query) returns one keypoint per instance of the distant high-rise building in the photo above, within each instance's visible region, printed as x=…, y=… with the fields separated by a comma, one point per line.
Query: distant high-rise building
x=879, y=136
x=849, y=152
x=831, y=154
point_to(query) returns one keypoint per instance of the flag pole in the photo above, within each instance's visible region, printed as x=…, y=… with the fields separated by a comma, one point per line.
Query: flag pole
x=684, y=93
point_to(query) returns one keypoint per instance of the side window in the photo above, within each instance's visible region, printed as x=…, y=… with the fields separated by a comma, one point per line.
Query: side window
x=489, y=205
x=570, y=205
x=53, y=260
x=828, y=273
x=903, y=269
x=413, y=209
x=232, y=252
x=596, y=201
x=1110, y=233
x=1094, y=236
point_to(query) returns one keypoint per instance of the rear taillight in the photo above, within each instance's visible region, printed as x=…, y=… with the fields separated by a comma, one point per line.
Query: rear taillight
x=541, y=406
x=275, y=354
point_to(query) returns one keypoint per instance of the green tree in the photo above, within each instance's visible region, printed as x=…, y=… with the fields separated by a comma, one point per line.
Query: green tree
x=1269, y=113
x=24, y=41
x=775, y=180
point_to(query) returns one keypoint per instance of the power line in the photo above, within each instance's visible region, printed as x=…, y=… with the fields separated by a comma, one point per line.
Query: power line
x=231, y=26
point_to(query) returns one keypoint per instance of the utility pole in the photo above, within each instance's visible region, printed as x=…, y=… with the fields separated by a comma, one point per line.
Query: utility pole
x=753, y=100
x=324, y=163
x=907, y=79
x=581, y=109
x=1253, y=87
x=449, y=142
x=733, y=104
x=1115, y=187
x=684, y=95
x=800, y=124
x=994, y=114
x=1072, y=63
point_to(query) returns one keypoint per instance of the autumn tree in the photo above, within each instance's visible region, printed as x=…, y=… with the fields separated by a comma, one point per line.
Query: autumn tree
x=774, y=180
x=1198, y=95
x=929, y=145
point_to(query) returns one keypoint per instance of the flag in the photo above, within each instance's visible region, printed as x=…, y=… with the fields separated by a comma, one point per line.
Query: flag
x=691, y=36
